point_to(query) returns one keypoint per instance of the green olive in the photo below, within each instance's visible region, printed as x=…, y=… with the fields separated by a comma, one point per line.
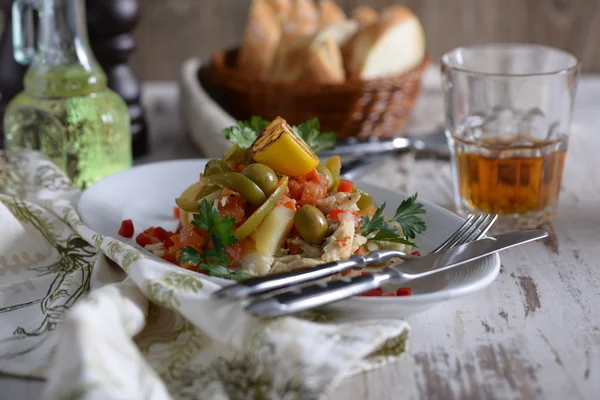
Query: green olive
x=215, y=167
x=263, y=176
x=323, y=170
x=311, y=224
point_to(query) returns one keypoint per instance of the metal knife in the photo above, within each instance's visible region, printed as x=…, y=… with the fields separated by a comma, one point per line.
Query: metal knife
x=304, y=298
x=434, y=142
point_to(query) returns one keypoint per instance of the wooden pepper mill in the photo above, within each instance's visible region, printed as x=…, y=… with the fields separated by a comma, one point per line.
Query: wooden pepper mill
x=110, y=23
x=110, y=27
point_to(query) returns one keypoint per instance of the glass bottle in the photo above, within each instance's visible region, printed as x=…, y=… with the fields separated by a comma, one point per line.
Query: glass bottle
x=66, y=109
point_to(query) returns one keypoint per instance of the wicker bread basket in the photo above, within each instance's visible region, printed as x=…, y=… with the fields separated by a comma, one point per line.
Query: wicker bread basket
x=363, y=109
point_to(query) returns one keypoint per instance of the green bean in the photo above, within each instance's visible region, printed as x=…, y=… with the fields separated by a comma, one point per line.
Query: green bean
x=258, y=216
x=334, y=164
x=186, y=205
x=205, y=191
x=238, y=183
x=215, y=167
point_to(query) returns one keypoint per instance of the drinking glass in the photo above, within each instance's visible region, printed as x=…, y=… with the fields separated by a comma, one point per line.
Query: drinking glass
x=508, y=114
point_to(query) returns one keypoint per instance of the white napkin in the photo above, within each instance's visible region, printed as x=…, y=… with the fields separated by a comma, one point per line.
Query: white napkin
x=147, y=330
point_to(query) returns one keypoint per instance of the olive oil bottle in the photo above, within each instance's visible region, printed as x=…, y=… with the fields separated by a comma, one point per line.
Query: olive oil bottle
x=66, y=110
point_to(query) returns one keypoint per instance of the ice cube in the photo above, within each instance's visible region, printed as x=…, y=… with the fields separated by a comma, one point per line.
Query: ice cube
x=534, y=125
x=501, y=124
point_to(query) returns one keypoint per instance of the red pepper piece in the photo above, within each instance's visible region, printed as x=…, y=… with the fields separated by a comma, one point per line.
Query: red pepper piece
x=403, y=291
x=126, y=230
x=374, y=292
x=345, y=186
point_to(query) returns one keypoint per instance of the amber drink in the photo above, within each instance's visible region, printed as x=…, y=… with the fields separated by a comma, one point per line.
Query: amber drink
x=508, y=113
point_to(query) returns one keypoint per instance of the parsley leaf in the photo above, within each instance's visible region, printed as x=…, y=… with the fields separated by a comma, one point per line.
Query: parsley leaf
x=213, y=256
x=244, y=133
x=214, y=260
x=407, y=216
x=219, y=229
x=310, y=132
x=206, y=261
x=190, y=255
x=374, y=223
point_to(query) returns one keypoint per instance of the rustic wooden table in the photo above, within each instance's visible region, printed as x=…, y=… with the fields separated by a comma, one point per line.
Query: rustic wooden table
x=534, y=333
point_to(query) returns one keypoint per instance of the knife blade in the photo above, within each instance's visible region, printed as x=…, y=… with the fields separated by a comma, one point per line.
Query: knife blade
x=300, y=299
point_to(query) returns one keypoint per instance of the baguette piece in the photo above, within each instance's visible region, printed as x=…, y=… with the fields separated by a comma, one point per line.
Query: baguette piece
x=341, y=32
x=261, y=39
x=325, y=63
x=365, y=15
x=316, y=57
x=331, y=13
x=302, y=20
x=282, y=8
x=387, y=47
x=395, y=13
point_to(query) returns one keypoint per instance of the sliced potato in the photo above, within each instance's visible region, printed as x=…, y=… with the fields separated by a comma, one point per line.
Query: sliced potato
x=271, y=234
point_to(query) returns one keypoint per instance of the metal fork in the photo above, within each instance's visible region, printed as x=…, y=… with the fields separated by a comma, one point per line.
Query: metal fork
x=473, y=228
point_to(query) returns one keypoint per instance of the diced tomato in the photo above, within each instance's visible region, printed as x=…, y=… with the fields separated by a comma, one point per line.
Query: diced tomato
x=191, y=236
x=240, y=167
x=403, y=291
x=390, y=295
x=345, y=186
x=176, y=213
x=336, y=213
x=295, y=187
x=287, y=202
x=309, y=188
x=416, y=253
x=144, y=239
x=235, y=205
x=374, y=292
x=159, y=233
x=311, y=193
x=239, y=250
x=126, y=230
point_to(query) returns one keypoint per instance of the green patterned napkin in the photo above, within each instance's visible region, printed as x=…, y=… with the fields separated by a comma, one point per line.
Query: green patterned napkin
x=98, y=319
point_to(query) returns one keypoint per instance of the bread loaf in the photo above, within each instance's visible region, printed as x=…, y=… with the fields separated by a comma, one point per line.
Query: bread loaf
x=315, y=57
x=302, y=20
x=281, y=9
x=365, y=15
x=387, y=47
x=261, y=39
x=330, y=13
x=324, y=62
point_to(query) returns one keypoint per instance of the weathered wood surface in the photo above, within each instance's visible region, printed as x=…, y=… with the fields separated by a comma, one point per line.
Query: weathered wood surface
x=171, y=31
x=533, y=334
